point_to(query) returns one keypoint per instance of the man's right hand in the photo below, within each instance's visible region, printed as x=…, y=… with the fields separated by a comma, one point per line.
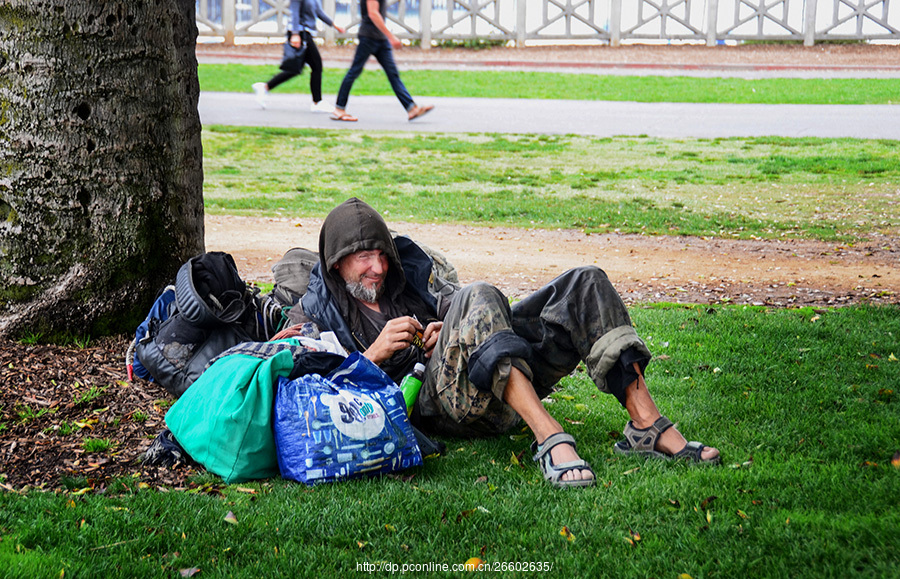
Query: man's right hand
x=397, y=335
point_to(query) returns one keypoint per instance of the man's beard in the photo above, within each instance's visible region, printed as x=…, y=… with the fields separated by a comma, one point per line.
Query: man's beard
x=365, y=294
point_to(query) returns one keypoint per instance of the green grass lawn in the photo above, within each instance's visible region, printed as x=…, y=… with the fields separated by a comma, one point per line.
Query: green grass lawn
x=828, y=189
x=546, y=85
x=801, y=403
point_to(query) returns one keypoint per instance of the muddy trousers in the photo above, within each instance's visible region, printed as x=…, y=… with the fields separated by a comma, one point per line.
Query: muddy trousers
x=577, y=317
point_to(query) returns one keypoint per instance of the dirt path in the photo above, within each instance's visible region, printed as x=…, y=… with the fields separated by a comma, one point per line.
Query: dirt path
x=644, y=269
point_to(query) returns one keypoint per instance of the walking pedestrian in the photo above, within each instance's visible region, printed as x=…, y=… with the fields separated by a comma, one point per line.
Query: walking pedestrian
x=375, y=40
x=303, y=24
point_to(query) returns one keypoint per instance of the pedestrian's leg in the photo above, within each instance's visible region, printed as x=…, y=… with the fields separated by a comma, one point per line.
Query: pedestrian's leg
x=279, y=78
x=363, y=51
x=385, y=56
x=314, y=60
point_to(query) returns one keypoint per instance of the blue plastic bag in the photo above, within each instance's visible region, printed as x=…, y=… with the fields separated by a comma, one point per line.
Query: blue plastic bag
x=351, y=424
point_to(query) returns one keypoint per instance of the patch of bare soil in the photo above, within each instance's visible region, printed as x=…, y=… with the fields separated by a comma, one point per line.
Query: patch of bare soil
x=779, y=273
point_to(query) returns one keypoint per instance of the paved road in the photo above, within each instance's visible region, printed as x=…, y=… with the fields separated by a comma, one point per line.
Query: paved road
x=593, y=118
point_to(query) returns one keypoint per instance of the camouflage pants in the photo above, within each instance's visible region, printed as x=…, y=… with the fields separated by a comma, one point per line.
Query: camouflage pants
x=578, y=316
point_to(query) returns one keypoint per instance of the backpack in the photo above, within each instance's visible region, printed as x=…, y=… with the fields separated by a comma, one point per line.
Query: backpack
x=214, y=309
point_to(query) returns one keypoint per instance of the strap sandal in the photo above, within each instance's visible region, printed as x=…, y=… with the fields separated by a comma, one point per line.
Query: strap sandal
x=554, y=472
x=343, y=117
x=642, y=442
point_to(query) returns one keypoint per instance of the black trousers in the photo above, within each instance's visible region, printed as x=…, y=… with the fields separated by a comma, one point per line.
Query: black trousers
x=314, y=60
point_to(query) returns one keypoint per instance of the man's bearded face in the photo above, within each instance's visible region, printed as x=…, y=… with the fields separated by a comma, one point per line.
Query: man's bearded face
x=364, y=272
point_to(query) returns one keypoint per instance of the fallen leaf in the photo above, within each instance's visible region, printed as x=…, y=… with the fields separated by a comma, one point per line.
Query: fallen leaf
x=481, y=479
x=632, y=471
x=463, y=515
x=892, y=357
x=815, y=318
x=519, y=458
x=896, y=460
x=231, y=519
x=742, y=514
x=565, y=532
x=245, y=490
x=514, y=460
x=581, y=407
x=685, y=576
x=190, y=572
x=707, y=501
x=362, y=544
x=709, y=516
x=674, y=504
x=565, y=396
x=390, y=528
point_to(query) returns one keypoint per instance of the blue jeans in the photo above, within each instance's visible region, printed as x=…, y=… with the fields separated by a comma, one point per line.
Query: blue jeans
x=384, y=54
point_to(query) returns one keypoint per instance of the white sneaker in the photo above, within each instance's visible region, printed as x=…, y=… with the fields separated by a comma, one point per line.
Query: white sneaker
x=321, y=107
x=261, y=92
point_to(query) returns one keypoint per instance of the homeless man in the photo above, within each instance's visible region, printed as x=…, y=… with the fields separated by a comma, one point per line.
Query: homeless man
x=488, y=365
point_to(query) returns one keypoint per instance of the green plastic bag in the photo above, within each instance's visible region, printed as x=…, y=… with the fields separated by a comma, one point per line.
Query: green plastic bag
x=224, y=420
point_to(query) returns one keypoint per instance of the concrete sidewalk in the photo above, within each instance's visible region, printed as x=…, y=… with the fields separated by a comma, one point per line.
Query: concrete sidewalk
x=592, y=118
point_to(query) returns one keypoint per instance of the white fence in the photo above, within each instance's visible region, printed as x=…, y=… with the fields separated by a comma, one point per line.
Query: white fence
x=602, y=21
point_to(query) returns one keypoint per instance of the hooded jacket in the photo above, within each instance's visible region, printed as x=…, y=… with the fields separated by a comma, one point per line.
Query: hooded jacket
x=355, y=226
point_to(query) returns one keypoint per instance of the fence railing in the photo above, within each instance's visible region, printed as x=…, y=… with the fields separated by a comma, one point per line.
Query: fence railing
x=605, y=21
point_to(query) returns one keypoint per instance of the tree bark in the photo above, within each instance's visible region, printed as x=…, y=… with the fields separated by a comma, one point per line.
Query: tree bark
x=100, y=161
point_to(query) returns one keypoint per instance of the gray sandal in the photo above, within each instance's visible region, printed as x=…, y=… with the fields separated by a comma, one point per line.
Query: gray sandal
x=554, y=472
x=643, y=442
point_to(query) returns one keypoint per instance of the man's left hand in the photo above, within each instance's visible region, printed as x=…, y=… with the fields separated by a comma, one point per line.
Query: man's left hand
x=430, y=336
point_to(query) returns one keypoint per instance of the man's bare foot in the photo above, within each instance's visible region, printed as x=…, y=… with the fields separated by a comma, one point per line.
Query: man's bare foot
x=671, y=441
x=562, y=453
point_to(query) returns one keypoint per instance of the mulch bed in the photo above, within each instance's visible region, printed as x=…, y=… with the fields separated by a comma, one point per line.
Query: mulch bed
x=61, y=405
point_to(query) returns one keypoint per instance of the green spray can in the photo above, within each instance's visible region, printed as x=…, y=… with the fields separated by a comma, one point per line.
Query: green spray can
x=411, y=384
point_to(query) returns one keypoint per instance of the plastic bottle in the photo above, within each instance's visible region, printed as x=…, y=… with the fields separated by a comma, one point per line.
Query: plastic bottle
x=411, y=384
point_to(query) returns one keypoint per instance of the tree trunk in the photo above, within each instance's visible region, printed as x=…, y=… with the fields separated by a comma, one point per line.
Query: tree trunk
x=100, y=161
